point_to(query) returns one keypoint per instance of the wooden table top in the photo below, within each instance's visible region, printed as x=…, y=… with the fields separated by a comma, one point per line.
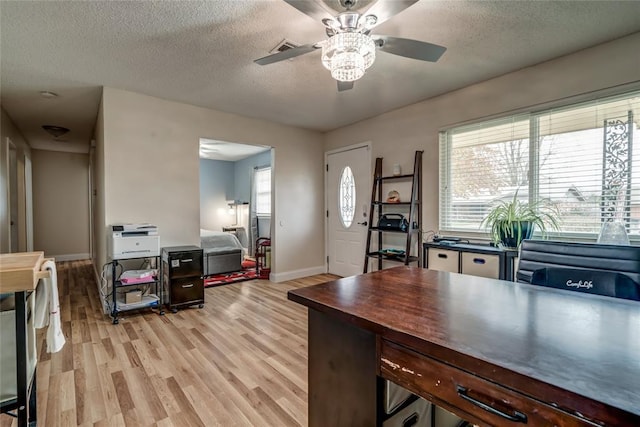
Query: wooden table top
x=568, y=349
x=19, y=271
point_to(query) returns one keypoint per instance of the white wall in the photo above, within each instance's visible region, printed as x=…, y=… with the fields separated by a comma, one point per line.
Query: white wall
x=150, y=165
x=61, y=204
x=216, y=188
x=99, y=227
x=416, y=127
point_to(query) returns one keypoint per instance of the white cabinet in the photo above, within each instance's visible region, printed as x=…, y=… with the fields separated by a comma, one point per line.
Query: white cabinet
x=483, y=265
x=475, y=260
x=443, y=260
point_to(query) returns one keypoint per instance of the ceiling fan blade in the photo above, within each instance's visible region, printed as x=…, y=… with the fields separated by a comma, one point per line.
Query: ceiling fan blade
x=385, y=9
x=409, y=48
x=312, y=8
x=342, y=86
x=287, y=54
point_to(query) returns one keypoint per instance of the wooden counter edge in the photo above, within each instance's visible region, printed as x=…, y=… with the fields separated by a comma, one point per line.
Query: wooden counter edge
x=19, y=271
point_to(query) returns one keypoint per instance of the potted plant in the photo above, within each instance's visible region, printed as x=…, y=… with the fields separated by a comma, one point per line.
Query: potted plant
x=513, y=221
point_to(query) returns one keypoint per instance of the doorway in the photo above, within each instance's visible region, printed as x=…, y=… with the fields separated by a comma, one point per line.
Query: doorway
x=347, y=189
x=236, y=191
x=28, y=187
x=18, y=209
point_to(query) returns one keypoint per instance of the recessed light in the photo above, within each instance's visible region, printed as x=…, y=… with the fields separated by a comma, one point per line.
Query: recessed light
x=47, y=94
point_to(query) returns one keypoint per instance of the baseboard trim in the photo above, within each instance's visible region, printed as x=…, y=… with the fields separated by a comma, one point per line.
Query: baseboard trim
x=70, y=257
x=297, y=274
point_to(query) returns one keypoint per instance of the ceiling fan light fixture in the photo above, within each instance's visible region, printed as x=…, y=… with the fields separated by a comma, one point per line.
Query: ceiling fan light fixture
x=55, y=131
x=370, y=21
x=348, y=55
x=347, y=67
x=48, y=94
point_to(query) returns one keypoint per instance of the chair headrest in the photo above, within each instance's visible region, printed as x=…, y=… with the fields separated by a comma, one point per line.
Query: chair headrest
x=607, y=283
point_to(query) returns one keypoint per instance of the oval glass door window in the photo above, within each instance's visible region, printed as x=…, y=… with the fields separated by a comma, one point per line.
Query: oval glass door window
x=347, y=202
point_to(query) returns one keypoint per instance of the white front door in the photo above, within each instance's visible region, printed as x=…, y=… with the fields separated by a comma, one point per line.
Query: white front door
x=348, y=192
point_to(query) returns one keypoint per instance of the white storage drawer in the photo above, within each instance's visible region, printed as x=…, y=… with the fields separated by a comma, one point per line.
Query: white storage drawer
x=482, y=265
x=394, y=396
x=472, y=259
x=444, y=418
x=443, y=260
x=418, y=414
x=514, y=270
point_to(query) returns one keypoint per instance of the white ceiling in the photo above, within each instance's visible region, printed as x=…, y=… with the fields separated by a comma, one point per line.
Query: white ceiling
x=202, y=53
x=228, y=151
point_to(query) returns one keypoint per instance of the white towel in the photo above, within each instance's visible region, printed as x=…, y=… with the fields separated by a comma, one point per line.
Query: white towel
x=47, y=310
x=41, y=313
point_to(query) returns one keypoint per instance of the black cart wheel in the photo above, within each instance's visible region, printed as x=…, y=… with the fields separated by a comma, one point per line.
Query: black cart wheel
x=174, y=310
x=115, y=321
x=201, y=306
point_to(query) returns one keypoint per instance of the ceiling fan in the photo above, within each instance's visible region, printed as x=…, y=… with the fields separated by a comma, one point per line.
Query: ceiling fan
x=350, y=48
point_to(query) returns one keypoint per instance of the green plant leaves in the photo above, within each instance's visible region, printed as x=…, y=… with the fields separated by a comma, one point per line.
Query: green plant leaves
x=507, y=217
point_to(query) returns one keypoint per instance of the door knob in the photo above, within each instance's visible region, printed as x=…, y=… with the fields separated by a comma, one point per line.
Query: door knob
x=363, y=223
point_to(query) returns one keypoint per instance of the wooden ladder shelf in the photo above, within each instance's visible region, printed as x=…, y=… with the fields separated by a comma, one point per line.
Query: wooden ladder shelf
x=377, y=210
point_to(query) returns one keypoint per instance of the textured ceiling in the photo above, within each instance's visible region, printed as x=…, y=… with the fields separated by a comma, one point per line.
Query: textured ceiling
x=228, y=151
x=202, y=53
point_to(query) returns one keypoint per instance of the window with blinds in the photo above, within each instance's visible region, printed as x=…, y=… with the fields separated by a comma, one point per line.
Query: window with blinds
x=579, y=158
x=263, y=191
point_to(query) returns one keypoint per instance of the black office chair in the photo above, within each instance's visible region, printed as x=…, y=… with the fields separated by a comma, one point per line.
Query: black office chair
x=607, y=270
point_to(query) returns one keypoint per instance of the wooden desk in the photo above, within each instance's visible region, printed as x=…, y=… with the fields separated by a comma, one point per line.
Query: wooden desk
x=554, y=357
x=19, y=274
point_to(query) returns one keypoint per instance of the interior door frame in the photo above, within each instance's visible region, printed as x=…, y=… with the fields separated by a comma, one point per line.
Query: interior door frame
x=369, y=147
x=13, y=197
x=28, y=202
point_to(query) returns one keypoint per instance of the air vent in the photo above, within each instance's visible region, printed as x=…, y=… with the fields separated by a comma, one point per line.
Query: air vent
x=283, y=45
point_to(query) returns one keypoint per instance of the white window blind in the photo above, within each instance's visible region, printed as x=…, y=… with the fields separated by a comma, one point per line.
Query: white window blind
x=263, y=191
x=480, y=165
x=579, y=158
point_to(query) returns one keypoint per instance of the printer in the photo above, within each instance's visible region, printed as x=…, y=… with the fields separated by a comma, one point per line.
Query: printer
x=134, y=241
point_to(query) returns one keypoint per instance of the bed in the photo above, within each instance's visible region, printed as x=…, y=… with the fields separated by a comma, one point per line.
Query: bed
x=222, y=252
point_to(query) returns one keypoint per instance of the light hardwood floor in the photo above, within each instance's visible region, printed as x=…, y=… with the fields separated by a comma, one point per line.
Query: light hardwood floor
x=239, y=361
